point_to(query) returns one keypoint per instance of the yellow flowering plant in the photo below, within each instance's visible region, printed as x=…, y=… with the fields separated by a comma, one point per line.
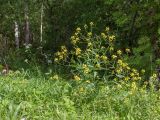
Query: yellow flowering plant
x=94, y=57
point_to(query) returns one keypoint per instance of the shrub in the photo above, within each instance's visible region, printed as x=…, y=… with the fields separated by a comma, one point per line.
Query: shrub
x=94, y=57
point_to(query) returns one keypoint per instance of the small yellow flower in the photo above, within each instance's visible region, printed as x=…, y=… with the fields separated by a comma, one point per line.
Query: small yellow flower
x=61, y=57
x=133, y=86
x=119, y=70
x=114, y=56
x=98, y=65
x=107, y=29
x=119, y=52
x=124, y=65
x=103, y=35
x=142, y=71
x=56, y=59
x=97, y=56
x=132, y=74
x=85, y=26
x=89, y=44
x=111, y=38
x=120, y=62
x=72, y=37
x=77, y=78
x=85, y=68
x=104, y=58
x=81, y=89
x=91, y=23
x=89, y=34
x=78, y=29
x=128, y=68
x=154, y=75
x=78, y=51
x=126, y=78
x=128, y=50
x=88, y=81
x=55, y=77
x=111, y=49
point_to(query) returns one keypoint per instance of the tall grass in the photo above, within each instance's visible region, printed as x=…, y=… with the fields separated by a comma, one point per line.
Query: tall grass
x=38, y=98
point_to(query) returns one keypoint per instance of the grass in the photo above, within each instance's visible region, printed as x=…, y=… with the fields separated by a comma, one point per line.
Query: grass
x=39, y=98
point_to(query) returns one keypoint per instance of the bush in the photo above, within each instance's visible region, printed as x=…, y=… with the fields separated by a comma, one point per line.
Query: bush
x=94, y=57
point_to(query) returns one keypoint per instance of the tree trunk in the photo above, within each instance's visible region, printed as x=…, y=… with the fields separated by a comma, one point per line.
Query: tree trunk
x=27, y=31
x=41, y=28
x=16, y=30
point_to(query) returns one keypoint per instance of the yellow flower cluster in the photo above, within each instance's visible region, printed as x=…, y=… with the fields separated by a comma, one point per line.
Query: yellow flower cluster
x=98, y=65
x=154, y=76
x=107, y=29
x=85, y=69
x=61, y=55
x=89, y=34
x=104, y=35
x=134, y=74
x=104, y=58
x=114, y=56
x=77, y=78
x=74, y=40
x=128, y=50
x=111, y=38
x=78, y=51
x=119, y=52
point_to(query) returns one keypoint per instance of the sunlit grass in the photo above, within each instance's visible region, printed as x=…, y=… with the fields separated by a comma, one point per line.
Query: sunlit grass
x=39, y=98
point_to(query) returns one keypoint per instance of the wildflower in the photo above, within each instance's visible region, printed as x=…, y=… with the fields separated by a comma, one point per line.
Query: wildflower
x=128, y=68
x=77, y=78
x=97, y=56
x=124, y=65
x=61, y=57
x=107, y=29
x=128, y=50
x=85, y=68
x=88, y=50
x=75, y=40
x=81, y=89
x=72, y=37
x=120, y=62
x=103, y=35
x=119, y=52
x=78, y=51
x=89, y=44
x=142, y=71
x=55, y=77
x=134, y=70
x=111, y=38
x=64, y=49
x=76, y=34
x=98, y=65
x=132, y=74
x=126, y=78
x=88, y=81
x=91, y=23
x=89, y=34
x=85, y=26
x=102, y=47
x=119, y=70
x=56, y=59
x=78, y=29
x=114, y=56
x=133, y=86
x=104, y=58
x=154, y=76
x=111, y=48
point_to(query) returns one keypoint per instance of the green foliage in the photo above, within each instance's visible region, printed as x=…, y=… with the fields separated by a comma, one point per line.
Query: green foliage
x=39, y=98
x=143, y=58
